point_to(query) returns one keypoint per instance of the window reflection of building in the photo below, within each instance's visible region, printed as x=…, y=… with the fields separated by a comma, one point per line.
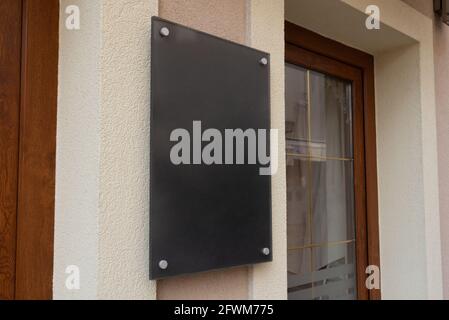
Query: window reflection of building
x=320, y=196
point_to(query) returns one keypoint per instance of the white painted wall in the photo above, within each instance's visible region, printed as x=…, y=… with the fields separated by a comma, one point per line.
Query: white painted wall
x=401, y=188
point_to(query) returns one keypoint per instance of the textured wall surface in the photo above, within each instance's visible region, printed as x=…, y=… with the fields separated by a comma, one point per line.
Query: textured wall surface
x=441, y=44
x=226, y=19
x=226, y=284
x=123, y=268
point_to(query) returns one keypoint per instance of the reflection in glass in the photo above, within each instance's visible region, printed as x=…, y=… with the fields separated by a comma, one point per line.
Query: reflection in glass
x=296, y=102
x=331, y=114
x=298, y=226
x=332, y=277
x=334, y=273
x=332, y=200
x=300, y=274
x=320, y=186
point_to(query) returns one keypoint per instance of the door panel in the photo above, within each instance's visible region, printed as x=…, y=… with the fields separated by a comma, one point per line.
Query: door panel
x=10, y=55
x=35, y=221
x=28, y=91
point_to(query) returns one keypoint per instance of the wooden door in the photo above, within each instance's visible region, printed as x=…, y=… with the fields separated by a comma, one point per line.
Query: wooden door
x=28, y=91
x=10, y=56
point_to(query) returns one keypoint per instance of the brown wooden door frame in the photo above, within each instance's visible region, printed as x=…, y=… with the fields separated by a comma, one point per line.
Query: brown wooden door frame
x=315, y=52
x=28, y=104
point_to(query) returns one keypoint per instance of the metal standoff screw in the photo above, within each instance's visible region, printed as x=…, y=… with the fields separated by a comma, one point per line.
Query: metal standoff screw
x=263, y=61
x=165, y=32
x=266, y=251
x=163, y=264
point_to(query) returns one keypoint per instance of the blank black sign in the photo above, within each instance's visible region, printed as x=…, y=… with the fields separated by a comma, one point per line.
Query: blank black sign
x=205, y=217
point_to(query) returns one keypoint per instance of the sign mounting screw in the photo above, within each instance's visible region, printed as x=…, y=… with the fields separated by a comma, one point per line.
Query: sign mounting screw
x=163, y=264
x=165, y=32
x=266, y=251
x=263, y=61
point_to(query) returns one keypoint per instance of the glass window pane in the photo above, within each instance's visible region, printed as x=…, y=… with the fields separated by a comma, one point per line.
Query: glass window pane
x=320, y=186
x=298, y=224
x=332, y=201
x=296, y=114
x=334, y=276
x=299, y=274
x=331, y=114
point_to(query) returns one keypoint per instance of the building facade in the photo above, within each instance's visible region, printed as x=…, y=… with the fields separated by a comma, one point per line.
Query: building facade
x=395, y=171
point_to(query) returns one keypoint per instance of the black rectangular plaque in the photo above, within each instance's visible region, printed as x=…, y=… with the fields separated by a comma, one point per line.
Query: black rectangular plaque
x=205, y=217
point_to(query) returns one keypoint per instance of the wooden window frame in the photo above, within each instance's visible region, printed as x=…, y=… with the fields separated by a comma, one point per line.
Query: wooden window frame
x=315, y=52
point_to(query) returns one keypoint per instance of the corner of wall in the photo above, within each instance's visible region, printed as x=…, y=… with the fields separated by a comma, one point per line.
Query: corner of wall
x=266, y=32
x=102, y=184
x=77, y=152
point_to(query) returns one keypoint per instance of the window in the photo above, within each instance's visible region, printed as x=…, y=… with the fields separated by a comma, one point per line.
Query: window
x=329, y=246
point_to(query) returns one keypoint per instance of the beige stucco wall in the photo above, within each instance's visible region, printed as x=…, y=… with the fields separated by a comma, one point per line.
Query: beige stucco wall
x=441, y=48
x=225, y=19
x=123, y=216
x=266, y=23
